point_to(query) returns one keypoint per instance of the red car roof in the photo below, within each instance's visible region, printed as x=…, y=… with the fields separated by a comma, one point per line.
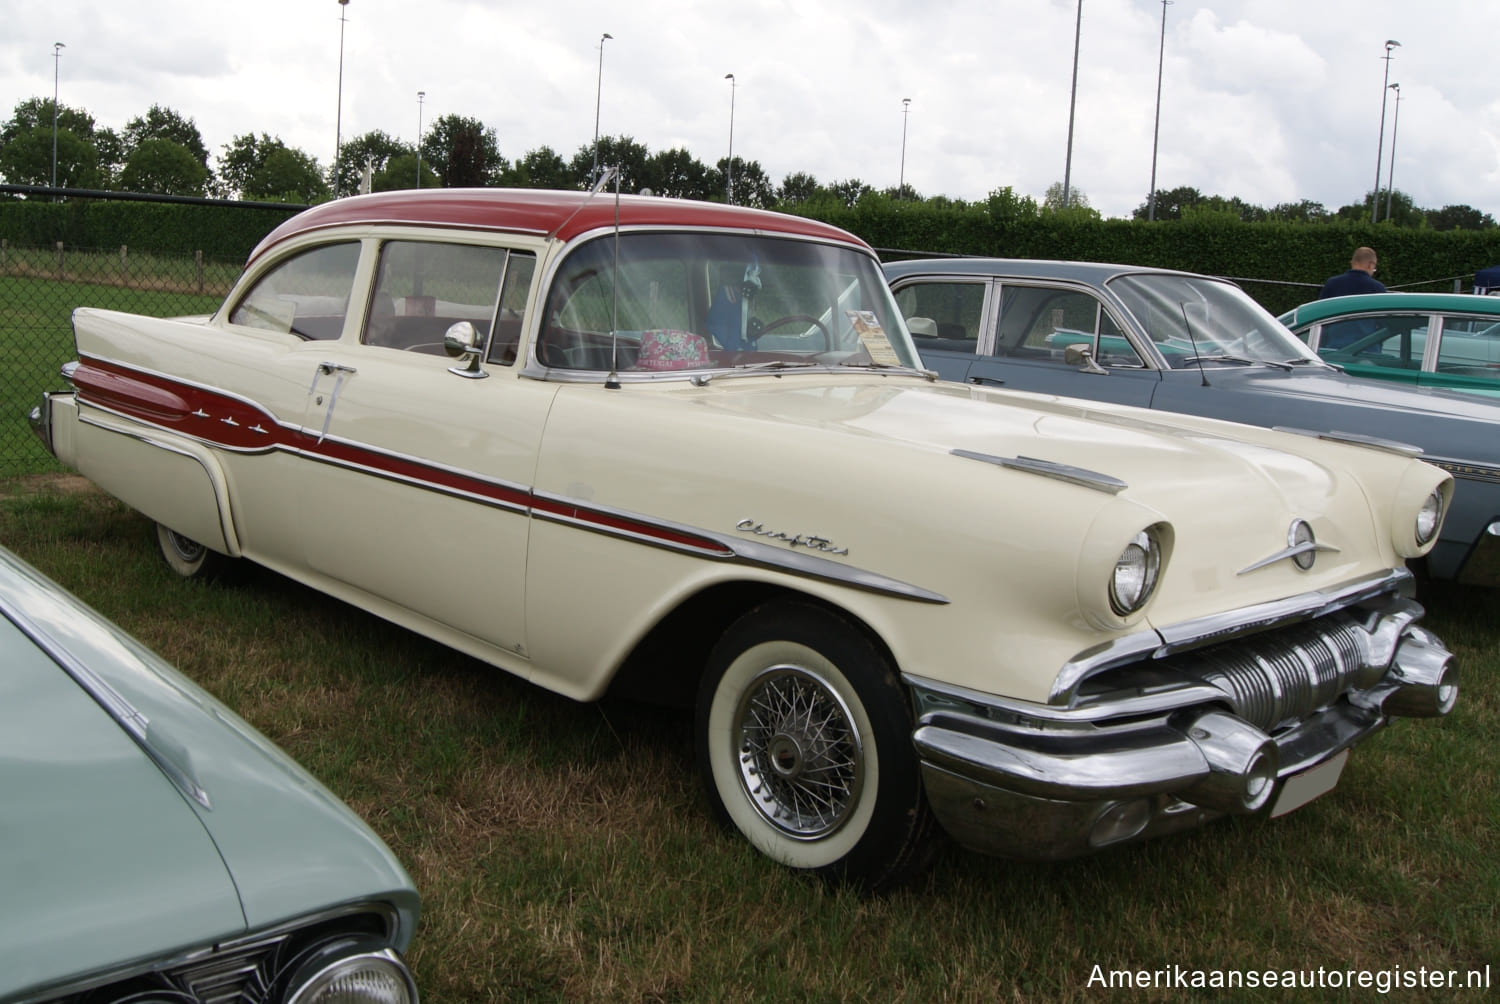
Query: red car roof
x=534, y=211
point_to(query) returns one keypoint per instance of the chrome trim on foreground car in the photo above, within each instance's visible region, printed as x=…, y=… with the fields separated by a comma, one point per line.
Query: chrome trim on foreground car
x=1169, y=743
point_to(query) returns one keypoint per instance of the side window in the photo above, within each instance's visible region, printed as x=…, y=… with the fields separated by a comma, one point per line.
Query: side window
x=1041, y=323
x=943, y=315
x=307, y=295
x=1469, y=344
x=1393, y=340
x=519, y=270
x=424, y=287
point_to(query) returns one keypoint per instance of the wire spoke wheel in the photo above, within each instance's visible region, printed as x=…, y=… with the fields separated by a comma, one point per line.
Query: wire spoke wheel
x=800, y=752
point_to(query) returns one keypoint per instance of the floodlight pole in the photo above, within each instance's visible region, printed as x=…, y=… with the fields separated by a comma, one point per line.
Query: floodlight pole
x=420, y=96
x=1072, y=103
x=1390, y=44
x=1390, y=182
x=57, y=48
x=729, y=164
x=338, y=128
x=598, y=96
x=901, y=178
x=1156, y=129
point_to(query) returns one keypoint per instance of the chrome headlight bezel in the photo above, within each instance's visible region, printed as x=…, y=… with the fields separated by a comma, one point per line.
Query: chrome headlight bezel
x=331, y=970
x=1429, y=518
x=1136, y=573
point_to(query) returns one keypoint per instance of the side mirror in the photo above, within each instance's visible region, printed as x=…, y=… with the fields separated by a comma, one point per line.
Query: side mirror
x=1082, y=356
x=462, y=340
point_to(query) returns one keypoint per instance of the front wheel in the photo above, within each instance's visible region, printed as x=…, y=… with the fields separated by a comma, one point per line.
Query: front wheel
x=190, y=559
x=804, y=744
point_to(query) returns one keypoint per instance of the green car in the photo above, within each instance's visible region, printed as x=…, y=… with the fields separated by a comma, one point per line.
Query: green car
x=156, y=848
x=1447, y=340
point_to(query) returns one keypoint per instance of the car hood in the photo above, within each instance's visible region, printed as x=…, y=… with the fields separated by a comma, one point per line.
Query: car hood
x=1371, y=407
x=107, y=860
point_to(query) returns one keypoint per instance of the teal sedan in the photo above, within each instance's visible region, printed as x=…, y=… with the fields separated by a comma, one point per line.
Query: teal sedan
x=1430, y=339
x=157, y=848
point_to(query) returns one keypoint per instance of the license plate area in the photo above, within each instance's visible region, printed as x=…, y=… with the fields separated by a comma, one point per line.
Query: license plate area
x=1299, y=789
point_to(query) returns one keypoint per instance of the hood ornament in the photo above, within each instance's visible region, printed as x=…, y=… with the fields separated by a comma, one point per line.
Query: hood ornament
x=1301, y=546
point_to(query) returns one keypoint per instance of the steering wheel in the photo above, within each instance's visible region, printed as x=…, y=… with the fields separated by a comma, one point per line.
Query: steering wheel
x=757, y=329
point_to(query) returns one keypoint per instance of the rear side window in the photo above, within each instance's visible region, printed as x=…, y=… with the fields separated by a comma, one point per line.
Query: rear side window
x=422, y=288
x=306, y=295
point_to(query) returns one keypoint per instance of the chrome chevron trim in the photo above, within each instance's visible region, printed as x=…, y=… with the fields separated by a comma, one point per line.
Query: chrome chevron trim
x=1050, y=469
x=1355, y=439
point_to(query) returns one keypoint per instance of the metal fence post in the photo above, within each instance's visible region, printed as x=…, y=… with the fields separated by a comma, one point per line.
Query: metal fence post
x=124, y=274
x=59, y=259
x=198, y=261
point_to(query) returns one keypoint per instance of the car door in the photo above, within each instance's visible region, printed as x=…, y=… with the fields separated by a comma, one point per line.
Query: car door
x=416, y=491
x=1060, y=339
x=1465, y=354
x=1390, y=345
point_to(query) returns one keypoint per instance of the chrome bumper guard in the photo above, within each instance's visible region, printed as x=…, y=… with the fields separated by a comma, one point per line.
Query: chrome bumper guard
x=1045, y=783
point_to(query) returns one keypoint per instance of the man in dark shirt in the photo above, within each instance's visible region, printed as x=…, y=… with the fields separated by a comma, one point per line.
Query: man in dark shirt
x=1359, y=279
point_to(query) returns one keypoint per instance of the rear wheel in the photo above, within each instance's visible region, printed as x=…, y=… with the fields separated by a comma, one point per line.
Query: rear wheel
x=804, y=744
x=190, y=559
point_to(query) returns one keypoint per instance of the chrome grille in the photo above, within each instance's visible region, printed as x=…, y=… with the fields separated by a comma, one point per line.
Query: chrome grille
x=240, y=976
x=1282, y=677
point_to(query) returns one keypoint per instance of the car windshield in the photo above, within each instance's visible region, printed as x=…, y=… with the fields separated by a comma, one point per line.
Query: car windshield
x=655, y=302
x=1193, y=319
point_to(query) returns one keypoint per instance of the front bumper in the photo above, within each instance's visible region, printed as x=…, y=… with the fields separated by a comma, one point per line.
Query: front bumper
x=1144, y=757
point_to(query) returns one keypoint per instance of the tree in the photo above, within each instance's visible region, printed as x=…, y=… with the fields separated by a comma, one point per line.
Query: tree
x=401, y=172
x=849, y=191
x=463, y=152
x=1305, y=211
x=26, y=146
x=1459, y=217
x=164, y=167
x=1171, y=203
x=164, y=123
x=751, y=185
x=678, y=174
x=622, y=152
x=377, y=149
x=1077, y=198
x=542, y=168
x=1005, y=206
x=268, y=170
x=798, y=188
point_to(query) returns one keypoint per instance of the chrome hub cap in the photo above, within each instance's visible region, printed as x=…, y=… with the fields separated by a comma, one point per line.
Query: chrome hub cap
x=800, y=754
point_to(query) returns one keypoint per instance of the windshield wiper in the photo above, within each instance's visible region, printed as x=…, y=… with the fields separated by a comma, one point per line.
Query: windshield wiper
x=1242, y=361
x=774, y=364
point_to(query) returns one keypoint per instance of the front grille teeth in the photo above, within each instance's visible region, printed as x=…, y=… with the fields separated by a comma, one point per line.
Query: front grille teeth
x=1282, y=678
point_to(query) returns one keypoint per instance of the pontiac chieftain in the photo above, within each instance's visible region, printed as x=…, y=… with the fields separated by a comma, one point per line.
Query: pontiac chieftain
x=156, y=849
x=686, y=450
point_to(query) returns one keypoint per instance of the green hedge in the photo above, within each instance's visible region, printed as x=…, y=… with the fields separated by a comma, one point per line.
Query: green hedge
x=1281, y=264
x=223, y=232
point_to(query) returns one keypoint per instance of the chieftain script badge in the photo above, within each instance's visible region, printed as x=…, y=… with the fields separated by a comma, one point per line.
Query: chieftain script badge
x=812, y=543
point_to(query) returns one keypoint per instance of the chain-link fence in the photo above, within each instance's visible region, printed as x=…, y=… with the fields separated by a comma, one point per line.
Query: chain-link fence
x=40, y=286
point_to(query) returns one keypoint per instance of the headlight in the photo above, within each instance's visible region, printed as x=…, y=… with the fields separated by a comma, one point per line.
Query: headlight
x=1429, y=518
x=1135, y=573
x=349, y=972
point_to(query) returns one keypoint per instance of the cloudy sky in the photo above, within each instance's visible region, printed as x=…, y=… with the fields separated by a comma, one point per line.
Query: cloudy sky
x=1268, y=100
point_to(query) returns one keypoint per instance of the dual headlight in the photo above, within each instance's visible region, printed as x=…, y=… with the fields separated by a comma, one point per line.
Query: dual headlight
x=351, y=971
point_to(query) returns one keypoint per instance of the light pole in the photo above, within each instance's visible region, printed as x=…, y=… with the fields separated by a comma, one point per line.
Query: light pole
x=1390, y=181
x=729, y=164
x=1072, y=103
x=1390, y=44
x=1161, y=53
x=338, y=127
x=598, y=94
x=420, y=96
x=901, y=179
x=57, y=48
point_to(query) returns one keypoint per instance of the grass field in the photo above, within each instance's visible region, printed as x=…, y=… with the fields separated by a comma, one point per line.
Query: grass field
x=565, y=853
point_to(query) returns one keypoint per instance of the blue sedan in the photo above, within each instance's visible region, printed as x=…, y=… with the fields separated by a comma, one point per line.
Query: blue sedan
x=1177, y=341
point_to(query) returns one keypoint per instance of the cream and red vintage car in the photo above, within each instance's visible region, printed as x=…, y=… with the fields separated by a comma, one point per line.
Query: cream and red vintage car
x=685, y=450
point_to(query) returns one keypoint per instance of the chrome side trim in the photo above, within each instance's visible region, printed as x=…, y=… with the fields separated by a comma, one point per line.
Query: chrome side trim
x=1469, y=470
x=1355, y=439
x=226, y=521
x=716, y=546
x=131, y=720
x=1050, y=469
